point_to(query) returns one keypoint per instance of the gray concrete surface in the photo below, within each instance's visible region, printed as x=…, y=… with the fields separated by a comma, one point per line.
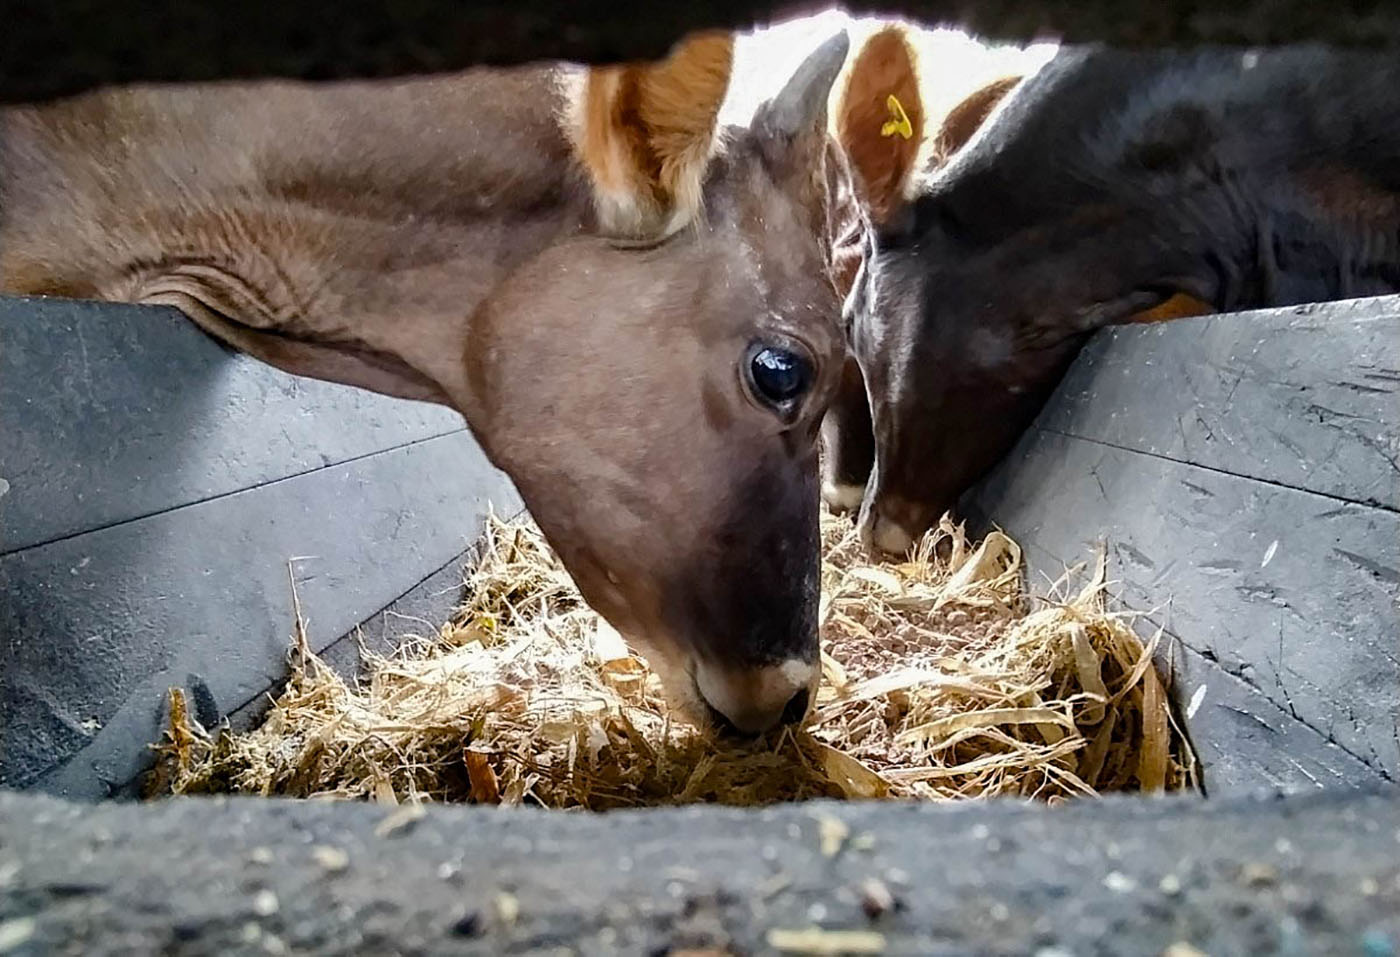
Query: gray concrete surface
x=60, y=47
x=1308, y=875
x=112, y=412
x=1242, y=471
x=1306, y=397
x=112, y=763
x=156, y=488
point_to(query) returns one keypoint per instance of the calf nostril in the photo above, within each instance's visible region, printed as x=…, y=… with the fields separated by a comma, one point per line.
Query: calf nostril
x=723, y=725
x=796, y=708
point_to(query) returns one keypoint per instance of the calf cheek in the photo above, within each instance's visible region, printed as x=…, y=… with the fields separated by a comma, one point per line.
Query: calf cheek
x=629, y=587
x=973, y=433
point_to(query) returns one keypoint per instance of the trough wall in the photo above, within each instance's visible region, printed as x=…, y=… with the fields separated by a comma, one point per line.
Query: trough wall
x=1241, y=471
x=160, y=499
x=159, y=496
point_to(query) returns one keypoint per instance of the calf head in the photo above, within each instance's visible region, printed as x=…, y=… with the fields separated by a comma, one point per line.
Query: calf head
x=880, y=93
x=978, y=294
x=654, y=388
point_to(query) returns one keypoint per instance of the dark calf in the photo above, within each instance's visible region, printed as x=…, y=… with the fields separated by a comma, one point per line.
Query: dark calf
x=890, y=136
x=1111, y=187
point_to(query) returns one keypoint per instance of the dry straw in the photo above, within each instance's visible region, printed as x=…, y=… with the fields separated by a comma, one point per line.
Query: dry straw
x=942, y=679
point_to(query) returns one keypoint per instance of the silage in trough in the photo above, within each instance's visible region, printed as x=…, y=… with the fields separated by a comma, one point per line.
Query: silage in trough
x=942, y=679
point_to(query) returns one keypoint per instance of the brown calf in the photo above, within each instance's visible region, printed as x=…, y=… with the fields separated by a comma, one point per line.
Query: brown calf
x=632, y=309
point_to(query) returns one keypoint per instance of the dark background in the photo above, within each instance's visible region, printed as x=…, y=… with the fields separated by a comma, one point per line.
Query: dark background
x=52, y=48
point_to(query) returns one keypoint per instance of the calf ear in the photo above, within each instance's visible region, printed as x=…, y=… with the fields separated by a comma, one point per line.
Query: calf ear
x=880, y=121
x=645, y=133
x=967, y=117
x=1179, y=306
x=1144, y=305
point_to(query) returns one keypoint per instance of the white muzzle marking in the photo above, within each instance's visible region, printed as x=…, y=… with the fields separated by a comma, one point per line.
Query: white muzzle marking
x=755, y=699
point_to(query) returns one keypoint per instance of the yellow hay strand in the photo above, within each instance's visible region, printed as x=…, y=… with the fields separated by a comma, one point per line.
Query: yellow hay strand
x=943, y=680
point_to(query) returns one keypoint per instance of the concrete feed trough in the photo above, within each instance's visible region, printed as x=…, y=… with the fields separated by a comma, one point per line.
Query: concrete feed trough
x=158, y=492
x=162, y=494
x=1242, y=471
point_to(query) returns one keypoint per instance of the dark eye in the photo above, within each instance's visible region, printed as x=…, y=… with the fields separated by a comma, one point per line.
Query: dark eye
x=779, y=376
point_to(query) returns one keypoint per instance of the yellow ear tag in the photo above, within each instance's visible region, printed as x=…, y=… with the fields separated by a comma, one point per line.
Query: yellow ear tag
x=898, y=121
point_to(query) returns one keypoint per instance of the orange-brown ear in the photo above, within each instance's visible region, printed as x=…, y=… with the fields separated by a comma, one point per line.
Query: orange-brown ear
x=880, y=121
x=1179, y=306
x=645, y=133
x=968, y=116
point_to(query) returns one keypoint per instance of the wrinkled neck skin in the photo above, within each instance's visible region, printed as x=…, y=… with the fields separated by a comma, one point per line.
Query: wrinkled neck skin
x=1251, y=239
x=379, y=229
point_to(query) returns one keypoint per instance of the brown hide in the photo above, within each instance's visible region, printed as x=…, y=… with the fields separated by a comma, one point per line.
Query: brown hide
x=570, y=259
x=293, y=220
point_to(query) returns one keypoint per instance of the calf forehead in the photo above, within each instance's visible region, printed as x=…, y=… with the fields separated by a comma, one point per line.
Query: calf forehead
x=905, y=296
x=776, y=235
x=746, y=183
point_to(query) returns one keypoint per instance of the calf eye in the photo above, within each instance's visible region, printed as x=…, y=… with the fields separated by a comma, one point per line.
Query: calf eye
x=778, y=376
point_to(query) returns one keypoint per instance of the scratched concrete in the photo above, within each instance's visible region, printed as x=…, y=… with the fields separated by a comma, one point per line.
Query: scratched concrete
x=112, y=412
x=1241, y=470
x=157, y=489
x=1310, y=875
